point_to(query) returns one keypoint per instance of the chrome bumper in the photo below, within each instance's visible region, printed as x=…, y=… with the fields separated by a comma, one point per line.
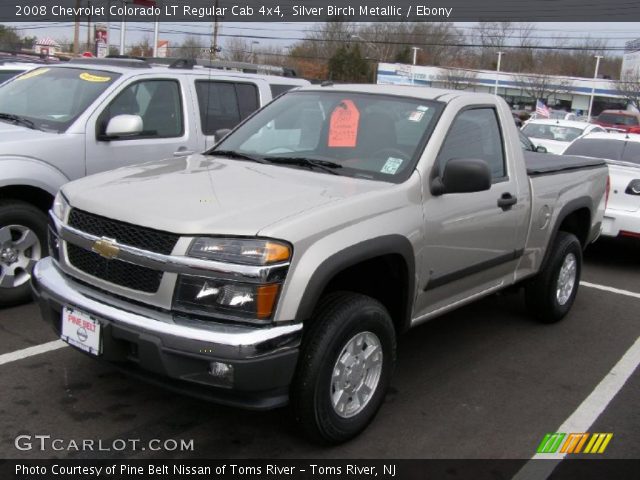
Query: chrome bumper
x=192, y=335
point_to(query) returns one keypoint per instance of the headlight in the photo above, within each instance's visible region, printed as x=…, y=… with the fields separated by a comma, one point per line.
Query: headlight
x=245, y=251
x=224, y=298
x=60, y=206
x=634, y=187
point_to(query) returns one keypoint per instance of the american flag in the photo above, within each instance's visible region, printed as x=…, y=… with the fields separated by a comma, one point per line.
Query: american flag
x=542, y=109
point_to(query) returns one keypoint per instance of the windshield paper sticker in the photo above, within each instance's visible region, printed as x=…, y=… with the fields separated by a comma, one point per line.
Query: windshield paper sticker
x=416, y=116
x=93, y=78
x=391, y=166
x=33, y=73
x=343, y=125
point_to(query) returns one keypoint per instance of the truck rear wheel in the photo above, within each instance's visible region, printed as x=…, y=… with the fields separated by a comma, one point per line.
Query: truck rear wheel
x=552, y=292
x=23, y=234
x=345, y=366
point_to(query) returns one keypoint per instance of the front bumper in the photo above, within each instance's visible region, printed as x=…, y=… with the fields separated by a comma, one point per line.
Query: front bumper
x=621, y=222
x=176, y=352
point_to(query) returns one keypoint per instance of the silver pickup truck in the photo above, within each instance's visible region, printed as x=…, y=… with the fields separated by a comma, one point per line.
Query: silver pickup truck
x=282, y=265
x=62, y=122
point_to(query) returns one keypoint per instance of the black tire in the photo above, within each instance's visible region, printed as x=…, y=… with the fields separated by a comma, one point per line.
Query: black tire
x=541, y=292
x=339, y=317
x=16, y=212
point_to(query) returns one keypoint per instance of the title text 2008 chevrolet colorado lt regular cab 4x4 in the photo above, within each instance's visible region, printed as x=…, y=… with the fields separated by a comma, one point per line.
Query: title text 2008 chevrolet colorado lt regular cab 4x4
x=281, y=266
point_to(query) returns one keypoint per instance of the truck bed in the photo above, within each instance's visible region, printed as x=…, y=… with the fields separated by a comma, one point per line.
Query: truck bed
x=547, y=163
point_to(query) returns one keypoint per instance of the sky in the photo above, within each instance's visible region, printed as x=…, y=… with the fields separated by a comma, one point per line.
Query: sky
x=616, y=33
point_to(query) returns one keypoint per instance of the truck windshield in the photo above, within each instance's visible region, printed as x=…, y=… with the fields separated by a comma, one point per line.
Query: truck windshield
x=356, y=134
x=52, y=98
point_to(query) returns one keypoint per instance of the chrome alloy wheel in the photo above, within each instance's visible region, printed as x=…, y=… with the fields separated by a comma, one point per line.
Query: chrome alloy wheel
x=20, y=249
x=567, y=279
x=356, y=374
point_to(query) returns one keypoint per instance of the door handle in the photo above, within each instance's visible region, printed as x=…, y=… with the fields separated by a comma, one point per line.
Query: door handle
x=506, y=201
x=182, y=151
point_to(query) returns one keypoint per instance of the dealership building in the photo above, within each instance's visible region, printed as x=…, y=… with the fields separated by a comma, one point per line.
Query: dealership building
x=573, y=92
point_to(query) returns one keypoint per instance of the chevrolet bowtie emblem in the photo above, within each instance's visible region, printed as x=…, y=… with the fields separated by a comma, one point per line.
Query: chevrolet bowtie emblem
x=106, y=248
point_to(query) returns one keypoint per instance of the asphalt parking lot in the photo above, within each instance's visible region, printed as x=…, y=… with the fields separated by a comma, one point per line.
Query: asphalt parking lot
x=483, y=382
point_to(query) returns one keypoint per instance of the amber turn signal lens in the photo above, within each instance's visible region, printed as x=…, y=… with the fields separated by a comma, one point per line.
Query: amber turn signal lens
x=276, y=252
x=267, y=295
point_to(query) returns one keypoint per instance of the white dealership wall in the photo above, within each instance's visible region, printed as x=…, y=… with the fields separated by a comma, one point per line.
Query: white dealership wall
x=509, y=84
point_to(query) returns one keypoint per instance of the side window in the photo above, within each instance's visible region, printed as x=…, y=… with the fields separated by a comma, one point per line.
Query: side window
x=525, y=143
x=225, y=104
x=157, y=102
x=277, y=89
x=475, y=133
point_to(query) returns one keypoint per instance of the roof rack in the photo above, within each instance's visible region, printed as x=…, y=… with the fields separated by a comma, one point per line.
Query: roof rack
x=114, y=61
x=22, y=57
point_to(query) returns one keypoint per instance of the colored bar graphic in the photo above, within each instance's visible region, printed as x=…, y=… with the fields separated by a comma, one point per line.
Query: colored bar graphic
x=574, y=443
x=597, y=442
x=550, y=442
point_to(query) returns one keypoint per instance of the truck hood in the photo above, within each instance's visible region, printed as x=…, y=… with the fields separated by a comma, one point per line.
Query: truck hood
x=209, y=195
x=22, y=141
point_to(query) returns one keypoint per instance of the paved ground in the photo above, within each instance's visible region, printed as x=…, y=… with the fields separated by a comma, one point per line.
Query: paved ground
x=483, y=382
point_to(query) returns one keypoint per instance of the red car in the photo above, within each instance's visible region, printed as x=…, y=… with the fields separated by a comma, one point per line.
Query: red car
x=619, y=120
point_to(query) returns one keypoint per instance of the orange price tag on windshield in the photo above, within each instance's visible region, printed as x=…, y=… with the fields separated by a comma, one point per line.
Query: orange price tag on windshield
x=343, y=125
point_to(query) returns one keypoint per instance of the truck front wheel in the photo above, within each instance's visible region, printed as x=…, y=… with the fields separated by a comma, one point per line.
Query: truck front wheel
x=552, y=292
x=23, y=233
x=345, y=366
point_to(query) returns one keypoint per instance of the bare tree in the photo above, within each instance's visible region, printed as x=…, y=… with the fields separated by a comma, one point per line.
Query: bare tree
x=456, y=78
x=237, y=50
x=543, y=86
x=192, y=47
x=141, y=49
x=629, y=87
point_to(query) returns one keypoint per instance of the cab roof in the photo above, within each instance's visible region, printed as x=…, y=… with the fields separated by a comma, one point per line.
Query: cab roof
x=419, y=92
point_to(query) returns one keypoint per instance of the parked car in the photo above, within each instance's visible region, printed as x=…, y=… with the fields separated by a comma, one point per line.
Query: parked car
x=281, y=265
x=528, y=146
x=62, y=122
x=619, y=121
x=556, y=115
x=556, y=135
x=622, y=153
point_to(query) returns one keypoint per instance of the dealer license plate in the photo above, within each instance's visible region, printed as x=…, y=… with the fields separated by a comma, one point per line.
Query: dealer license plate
x=81, y=330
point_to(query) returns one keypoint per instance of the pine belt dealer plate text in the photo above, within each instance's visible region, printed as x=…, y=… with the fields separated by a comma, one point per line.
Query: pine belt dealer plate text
x=81, y=330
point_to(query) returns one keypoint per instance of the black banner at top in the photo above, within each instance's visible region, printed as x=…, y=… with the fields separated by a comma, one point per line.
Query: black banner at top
x=319, y=10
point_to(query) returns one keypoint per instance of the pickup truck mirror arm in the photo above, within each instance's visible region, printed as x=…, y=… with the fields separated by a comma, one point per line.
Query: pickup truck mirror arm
x=437, y=187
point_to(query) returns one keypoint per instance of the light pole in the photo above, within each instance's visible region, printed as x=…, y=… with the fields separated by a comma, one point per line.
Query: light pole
x=495, y=89
x=593, y=86
x=413, y=69
x=123, y=27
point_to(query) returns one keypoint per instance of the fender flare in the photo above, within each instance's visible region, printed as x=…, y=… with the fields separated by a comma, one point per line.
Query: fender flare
x=352, y=255
x=31, y=172
x=568, y=209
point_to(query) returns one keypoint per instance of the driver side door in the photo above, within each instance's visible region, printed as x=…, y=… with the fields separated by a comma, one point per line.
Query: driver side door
x=166, y=132
x=471, y=241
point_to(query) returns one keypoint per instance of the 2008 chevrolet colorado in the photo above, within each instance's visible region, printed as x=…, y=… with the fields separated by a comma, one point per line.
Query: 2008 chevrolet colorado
x=281, y=265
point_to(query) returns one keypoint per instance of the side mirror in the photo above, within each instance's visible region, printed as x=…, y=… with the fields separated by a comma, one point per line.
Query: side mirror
x=221, y=133
x=462, y=175
x=541, y=149
x=123, y=126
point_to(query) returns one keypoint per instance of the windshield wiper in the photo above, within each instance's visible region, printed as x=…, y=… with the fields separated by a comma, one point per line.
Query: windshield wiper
x=17, y=119
x=239, y=155
x=324, y=165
